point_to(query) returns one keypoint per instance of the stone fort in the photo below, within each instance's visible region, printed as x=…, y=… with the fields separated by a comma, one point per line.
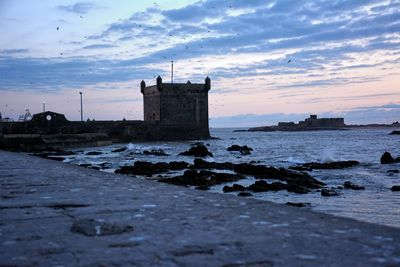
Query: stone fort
x=172, y=111
x=177, y=105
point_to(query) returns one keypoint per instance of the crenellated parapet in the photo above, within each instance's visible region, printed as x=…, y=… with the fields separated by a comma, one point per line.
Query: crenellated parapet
x=142, y=86
x=207, y=84
x=159, y=83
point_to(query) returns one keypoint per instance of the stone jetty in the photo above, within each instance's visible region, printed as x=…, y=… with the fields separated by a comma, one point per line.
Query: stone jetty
x=56, y=214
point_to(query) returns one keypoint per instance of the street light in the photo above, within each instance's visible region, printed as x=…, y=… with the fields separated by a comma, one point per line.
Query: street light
x=81, y=107
x=172, y=71
x=44, y=106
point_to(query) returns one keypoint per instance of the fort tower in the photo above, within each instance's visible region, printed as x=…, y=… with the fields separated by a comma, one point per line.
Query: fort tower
x=179, y=109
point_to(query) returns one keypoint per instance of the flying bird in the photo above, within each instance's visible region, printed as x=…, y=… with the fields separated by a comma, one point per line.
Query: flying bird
x=289, y=61
x=81, y=17
x=58, y=28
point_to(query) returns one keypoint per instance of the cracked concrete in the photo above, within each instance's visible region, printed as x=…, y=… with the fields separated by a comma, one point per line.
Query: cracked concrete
x=171, y=226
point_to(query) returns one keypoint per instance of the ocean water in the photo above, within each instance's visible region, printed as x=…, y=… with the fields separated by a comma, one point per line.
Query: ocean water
x=376, y=204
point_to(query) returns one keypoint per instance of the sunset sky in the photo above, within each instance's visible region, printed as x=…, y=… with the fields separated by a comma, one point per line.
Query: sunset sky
x=268, y=60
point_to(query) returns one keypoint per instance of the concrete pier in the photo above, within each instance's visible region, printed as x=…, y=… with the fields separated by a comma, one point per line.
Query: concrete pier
x=55, y=214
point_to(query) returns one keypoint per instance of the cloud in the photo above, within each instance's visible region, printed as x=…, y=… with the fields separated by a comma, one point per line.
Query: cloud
x=194, y=13
x=334, y=27
x=50, y=75
x=385, y=114
x=331, y=82
x=13, y=51
x=318, y=36
x=98, y=46
x=387, y=106
x=251, y=120
x=354, y=97
x=78, y=8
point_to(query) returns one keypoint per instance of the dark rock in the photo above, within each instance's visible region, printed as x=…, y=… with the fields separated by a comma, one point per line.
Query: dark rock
x=297, y=188
x=234, y=188
x=387, y=158
x=191, y=250
x=395, y=133
x=325, y=166
x=86, y=165
x=202, y=164
x=245, y=194
x=197, y=144
x=202, y=187
x=395, y=188
x=296, y=180
x=122, y=149
x=199, y=150
x=94, y=167
x=105, y=165
x=90, y=227
x=244, y=150
x=202, y=178
x=94, y=153
x=300, y=168
x=297, y=204
x=264, y=186
x=257, y=170
x=148, y=168
x=155, y=152
x=326, y=192
x=177, y=165
x=143, y=168
x=350, y=185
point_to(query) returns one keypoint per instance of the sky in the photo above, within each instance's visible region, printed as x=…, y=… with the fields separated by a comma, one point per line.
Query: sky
x=268, y=60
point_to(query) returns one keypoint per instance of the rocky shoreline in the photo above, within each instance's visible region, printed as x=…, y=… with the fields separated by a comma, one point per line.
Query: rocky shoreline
x=202, y=174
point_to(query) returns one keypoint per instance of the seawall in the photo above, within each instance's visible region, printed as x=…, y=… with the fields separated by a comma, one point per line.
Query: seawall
x=53, y=213
x=50, y=135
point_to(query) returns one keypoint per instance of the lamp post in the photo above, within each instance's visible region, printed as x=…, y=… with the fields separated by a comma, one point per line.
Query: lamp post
x=44, y=106
x=172, y=71
x=81, y=107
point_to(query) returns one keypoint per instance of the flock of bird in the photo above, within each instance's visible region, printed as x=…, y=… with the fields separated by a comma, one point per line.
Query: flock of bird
x=163, y=57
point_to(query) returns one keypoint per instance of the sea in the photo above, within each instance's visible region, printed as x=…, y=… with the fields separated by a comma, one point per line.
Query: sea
x=376, y=204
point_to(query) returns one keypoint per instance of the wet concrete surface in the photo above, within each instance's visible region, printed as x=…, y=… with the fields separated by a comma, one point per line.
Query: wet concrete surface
x=55, y=214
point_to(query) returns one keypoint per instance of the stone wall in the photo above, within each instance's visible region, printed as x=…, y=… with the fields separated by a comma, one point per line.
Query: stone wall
x=29, y=136
x=151, y=104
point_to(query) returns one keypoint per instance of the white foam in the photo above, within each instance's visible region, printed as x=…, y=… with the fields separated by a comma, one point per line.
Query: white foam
x=149, y=206
x=295, y=160
x=328, y=155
